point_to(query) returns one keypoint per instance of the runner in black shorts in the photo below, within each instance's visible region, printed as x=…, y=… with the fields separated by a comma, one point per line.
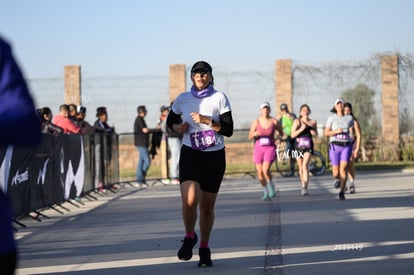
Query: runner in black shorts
x=303, y=129
x=206, y=168
x=203, y=116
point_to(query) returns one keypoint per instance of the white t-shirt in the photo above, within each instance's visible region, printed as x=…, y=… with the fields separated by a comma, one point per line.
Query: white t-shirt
x=201, y=136
x=344, y=122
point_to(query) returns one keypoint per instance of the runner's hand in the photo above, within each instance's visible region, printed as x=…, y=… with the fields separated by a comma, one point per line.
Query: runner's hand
x=199, y=118
x=181, y=128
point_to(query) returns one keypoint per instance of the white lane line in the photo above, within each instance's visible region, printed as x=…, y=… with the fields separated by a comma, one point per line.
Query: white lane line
x=342, y=247
x=129, y=263
x=399, y=256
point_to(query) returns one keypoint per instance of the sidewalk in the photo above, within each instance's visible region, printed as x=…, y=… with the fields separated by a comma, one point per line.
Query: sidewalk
x=138, y=231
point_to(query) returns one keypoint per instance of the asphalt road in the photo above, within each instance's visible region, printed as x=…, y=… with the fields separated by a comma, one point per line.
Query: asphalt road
x=139, y=230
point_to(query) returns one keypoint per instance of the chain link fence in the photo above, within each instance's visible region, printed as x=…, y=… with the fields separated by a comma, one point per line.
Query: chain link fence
x=317, y=85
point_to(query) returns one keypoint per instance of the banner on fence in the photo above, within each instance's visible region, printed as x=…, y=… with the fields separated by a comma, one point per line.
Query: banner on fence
x=60, y=168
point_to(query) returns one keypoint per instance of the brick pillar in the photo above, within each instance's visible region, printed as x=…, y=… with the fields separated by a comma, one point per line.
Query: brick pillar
x=177, y=86
x=72, y=85
x=177, y=80
x=390, y=83
x=284, y=85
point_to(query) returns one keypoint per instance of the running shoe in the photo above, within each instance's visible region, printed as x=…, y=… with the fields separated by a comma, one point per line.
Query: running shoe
x=265, y=197
x=175, y=182
x=272, y=192
x=305, y=192
x=341, y=196
x=186, y=251
x=166, y=181
x=352, y=189
x=205, y=257
x=336, y=183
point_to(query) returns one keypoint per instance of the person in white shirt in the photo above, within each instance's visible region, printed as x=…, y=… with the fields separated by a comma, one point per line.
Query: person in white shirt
x=203, y=115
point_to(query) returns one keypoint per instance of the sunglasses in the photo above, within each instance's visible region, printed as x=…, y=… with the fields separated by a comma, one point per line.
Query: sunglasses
x=201, y=72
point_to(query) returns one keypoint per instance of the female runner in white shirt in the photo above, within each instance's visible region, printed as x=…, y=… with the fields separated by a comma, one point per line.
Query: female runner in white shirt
x=203, y=115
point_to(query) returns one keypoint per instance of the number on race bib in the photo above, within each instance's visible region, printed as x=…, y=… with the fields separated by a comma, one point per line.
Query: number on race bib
x=203, y=139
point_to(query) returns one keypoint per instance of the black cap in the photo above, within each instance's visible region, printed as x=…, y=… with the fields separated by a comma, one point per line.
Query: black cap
x=283, y=106
x=100, y=111
x=81, y=109
x=164, y=108
x=201, y=66
x=141, y=109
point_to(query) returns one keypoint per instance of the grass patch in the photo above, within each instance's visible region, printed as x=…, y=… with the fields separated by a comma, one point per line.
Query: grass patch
x=384, y=165
x=155, y=171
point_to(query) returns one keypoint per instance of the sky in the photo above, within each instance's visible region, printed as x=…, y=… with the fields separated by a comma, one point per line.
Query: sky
x=129, y=37
x=125, y=47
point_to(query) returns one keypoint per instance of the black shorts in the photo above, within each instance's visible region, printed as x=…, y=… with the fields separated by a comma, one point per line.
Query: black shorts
x=206, y=168
x=301, y=151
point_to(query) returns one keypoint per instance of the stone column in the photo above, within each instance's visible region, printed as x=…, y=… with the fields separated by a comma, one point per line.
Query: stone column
x=177, y=85
x=72, y=84
x=390, y=90
x=284, y=87
x=178, y=81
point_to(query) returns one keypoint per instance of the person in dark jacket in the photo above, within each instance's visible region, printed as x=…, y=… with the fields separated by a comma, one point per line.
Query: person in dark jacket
x=20, y=126
x=141, y=141
x=101, y=124
x=46, y=121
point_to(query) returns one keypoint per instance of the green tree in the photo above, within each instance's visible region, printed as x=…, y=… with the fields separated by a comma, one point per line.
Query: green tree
x=406, y=122
x=362, y=99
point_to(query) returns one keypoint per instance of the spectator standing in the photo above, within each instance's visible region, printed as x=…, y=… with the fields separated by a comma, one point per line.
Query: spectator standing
x=81, y=122
x=141, y=141
x=64, y=122
x=48, y=127
x=101, y=124
x=157, y=134
x=102, y=127
x=73, y=113
x=162, y=125
x=175, y=141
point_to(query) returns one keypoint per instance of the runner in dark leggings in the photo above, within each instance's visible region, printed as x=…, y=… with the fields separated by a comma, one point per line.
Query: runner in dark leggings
x=356, y=140
x=203, y=116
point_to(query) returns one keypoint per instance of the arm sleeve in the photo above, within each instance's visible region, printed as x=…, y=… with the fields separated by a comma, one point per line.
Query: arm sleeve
x=226, y=120
x=173, y=118
x=53, y=129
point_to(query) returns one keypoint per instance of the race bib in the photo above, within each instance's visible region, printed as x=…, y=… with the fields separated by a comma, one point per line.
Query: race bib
x=265, y=141
x=342, y=137
x=203, y=139
x=304, y=142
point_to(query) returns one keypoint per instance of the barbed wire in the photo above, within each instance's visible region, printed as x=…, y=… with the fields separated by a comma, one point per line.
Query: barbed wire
x=317, y=85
